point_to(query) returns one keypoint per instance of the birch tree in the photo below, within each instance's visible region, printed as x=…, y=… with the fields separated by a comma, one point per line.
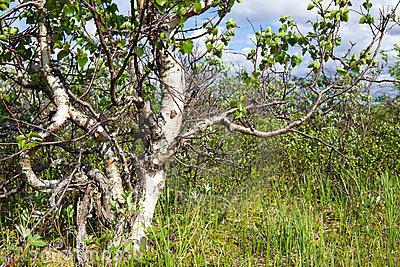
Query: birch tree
x=108, y=96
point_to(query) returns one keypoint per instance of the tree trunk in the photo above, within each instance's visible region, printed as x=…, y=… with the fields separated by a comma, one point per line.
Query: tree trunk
x=152, y=175
x=153, y=184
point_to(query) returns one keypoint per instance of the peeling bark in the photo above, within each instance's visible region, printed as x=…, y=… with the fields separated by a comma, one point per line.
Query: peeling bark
x=152, y=176
x=111, y=161
x=115, y=181
x=152, y=188
x=172, y=105
x=31, y=178
x=84, y=207
x=61, y=116
x=173, y=83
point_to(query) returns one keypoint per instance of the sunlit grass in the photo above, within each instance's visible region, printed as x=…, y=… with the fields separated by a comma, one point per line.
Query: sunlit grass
x=310, y=221
x=269, y=220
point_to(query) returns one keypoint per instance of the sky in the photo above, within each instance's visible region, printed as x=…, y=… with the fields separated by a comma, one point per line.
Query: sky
x=267, y=13
x=256, y=13
x=253, y=14
x=263, y=13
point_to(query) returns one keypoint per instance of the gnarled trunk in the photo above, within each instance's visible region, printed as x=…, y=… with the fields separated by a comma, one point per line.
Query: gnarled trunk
x=162, y=146
x=153, y=184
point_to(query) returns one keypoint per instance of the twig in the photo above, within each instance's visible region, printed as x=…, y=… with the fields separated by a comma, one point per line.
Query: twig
x=321, y=141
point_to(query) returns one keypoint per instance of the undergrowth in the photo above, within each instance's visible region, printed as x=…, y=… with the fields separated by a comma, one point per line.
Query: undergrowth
x=265, y=221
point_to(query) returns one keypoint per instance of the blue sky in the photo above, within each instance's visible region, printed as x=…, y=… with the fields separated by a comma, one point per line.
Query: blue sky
x=268, y=12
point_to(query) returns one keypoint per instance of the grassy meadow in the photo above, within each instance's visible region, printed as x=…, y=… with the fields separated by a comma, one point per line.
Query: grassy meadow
x=270, y=221
x=279, y=221
x=288, y=202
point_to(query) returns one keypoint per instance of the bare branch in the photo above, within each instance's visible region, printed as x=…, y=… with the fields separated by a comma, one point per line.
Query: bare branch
x=321, y=141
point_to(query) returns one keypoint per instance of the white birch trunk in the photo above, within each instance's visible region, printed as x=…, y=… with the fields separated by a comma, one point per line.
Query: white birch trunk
x=152, y=188
x=152, y=179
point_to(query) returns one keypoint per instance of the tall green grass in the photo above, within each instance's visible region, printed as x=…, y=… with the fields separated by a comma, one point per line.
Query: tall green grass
x=266, y=220
x=279, y=221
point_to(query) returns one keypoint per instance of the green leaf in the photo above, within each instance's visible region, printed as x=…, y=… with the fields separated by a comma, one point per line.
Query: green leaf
x=159, y=44
x=197, y=7
x=62, y=54
x=345, y=17
x=233, y=103
x=20, y=138
x=341, y=71
x=34, y=134
x=314, y=65
x=310, y=6
x=367, y=5
x=22, y=144
x=128, y=247
x=282, y=34
x=218, y=53
x=140, y=51
x=367, y=19
x=82, y=58
x=186, y=47
x=14, y=31
x=161, y=2
x=39, y=243
x=24, y=232
x=296, y=60
x=163, y=36
x=129, y=202
x=36, y=241
x=231, y=24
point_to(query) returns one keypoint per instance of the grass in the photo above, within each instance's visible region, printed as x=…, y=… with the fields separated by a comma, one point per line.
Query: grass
x=277, y=221
x=268, y=221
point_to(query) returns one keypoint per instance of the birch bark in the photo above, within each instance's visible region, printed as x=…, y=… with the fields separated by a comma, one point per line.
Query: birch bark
x=152, y=179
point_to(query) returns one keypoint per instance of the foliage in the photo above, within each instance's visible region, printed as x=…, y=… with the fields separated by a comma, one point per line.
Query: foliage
x=92, y=119
x=366, y=136
x=395, y=68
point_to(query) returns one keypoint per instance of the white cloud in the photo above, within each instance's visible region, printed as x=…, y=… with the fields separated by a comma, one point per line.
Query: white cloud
x=264, y=11
x=238, y=58
x=267, y=11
